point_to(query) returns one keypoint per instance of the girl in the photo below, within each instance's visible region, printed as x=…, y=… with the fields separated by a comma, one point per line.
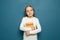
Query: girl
x=30, y=24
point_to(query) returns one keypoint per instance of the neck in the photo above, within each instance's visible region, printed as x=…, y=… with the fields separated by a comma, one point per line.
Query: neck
x=30, y=16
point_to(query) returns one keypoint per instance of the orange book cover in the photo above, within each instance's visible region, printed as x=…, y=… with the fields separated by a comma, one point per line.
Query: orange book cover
x=29, y=25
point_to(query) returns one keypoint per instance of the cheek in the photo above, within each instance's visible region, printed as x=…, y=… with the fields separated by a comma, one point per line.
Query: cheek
x=32, y=12
x=27, y=13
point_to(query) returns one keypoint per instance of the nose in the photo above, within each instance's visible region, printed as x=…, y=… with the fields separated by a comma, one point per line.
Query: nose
x=29, y=12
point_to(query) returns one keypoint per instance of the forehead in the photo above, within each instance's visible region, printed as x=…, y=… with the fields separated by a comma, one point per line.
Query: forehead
x=29, y=8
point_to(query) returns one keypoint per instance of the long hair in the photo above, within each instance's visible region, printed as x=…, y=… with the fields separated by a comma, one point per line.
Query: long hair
x=25, y=10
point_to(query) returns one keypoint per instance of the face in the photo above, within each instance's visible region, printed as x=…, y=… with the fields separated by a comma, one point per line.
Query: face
x=29, y=11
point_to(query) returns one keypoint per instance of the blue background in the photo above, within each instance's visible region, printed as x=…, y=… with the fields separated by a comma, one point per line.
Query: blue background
x=12, y=11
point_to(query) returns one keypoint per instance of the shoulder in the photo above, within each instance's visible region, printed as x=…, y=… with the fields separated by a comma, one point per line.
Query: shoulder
x=36, y=18
x=23, y=18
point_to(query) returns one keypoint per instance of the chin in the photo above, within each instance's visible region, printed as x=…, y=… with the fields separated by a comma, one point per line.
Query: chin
x=30, y=15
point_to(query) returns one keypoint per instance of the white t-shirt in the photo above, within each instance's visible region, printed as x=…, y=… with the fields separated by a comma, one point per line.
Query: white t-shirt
x=26, y=24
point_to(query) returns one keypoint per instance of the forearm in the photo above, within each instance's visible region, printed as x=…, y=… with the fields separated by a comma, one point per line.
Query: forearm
x=25, y=29
x=35, y=31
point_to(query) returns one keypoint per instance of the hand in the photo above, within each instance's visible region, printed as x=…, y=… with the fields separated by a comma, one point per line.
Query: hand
x=33, y=28
x=27, y=33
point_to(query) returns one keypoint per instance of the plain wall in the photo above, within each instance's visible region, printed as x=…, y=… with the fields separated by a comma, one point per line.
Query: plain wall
x=12, y=11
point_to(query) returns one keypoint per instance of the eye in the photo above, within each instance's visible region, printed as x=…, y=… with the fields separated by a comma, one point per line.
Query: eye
x=27, y=11
x=31, y=10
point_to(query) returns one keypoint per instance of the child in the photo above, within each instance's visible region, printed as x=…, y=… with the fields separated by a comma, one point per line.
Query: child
x=30, y=24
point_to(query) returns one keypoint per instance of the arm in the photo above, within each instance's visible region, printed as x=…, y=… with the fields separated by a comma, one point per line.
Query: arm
x=22, y=27
x=38, y=28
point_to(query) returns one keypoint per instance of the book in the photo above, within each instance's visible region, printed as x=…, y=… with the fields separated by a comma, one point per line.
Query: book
x=29, y=25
